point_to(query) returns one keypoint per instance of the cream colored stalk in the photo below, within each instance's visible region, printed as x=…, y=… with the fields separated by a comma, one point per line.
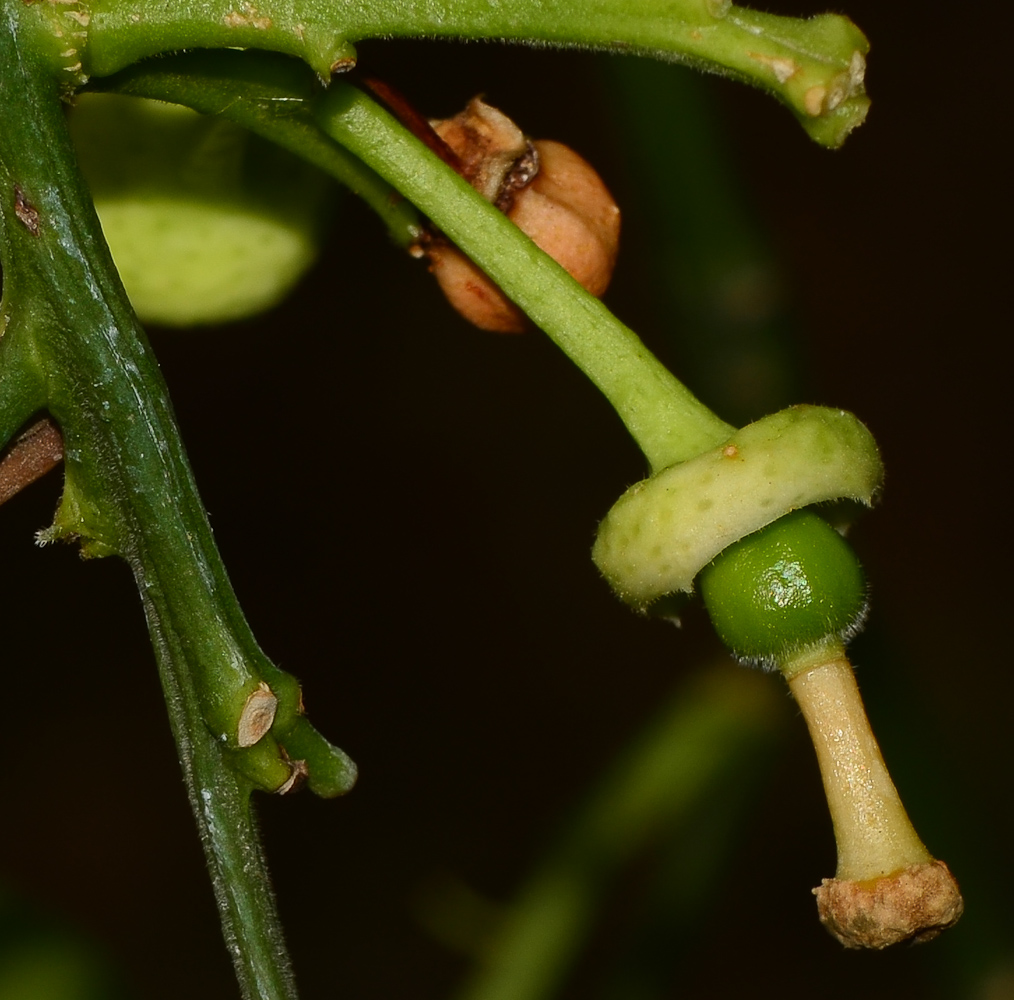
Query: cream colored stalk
x=888, y=887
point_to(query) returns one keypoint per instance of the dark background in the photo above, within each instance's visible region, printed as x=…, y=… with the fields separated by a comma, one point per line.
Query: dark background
x=406, y=507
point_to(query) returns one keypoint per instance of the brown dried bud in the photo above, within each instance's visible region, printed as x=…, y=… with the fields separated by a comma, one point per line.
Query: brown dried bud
x=551, y=194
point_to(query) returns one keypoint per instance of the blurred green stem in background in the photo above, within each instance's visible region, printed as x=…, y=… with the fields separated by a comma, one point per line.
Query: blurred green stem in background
x=691, y=756
x=271, y=96
x=42, y=959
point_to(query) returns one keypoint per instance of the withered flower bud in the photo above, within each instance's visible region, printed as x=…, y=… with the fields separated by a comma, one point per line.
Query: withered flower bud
x=551, y=194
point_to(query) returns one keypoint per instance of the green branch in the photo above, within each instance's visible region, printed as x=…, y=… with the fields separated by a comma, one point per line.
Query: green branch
x=815, y=66
x=129, y=490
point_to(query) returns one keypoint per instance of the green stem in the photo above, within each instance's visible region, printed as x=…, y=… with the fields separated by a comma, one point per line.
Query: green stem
x=129, y=488
x=669, y=424
x=270, y=95
x=814, y=66
x=22, y=387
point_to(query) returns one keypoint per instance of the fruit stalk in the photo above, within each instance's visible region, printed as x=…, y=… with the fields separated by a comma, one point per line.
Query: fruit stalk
x=888, y=888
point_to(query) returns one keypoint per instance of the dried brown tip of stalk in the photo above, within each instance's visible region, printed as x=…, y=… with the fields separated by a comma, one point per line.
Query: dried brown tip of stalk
x=552, y=194
x=257, y=716
x=914, y=904
x=888, y=887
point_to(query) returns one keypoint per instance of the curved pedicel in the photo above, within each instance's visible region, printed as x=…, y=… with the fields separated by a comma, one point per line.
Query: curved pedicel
x=664, y=530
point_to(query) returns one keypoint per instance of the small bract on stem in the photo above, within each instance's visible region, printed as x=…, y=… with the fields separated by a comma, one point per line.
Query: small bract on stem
x=888, y=888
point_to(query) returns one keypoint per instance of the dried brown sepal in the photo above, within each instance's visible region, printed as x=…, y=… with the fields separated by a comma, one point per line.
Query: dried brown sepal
x=553, y=195
x=523, y=171
x=914, y=904
x=487, y=144
x=257, y=716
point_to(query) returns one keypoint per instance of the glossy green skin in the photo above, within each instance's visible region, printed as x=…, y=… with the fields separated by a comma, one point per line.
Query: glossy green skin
x=792, y=585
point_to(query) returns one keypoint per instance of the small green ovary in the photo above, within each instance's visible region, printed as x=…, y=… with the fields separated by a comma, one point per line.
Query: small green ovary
x=789, y=586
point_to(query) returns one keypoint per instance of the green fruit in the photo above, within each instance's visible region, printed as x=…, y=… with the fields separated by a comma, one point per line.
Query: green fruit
x=793, y=585
x=206, y=222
